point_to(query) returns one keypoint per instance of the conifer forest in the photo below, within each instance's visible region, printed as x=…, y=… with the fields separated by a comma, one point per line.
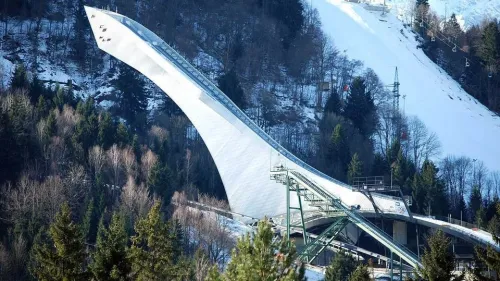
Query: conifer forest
x=97, y=163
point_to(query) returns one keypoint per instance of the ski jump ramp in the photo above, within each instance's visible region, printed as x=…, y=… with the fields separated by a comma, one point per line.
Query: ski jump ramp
x=243, y=153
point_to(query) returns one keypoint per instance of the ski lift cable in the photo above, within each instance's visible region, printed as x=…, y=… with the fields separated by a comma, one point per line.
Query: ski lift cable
x=438, y=32
x=454, y=47
x=468, y=61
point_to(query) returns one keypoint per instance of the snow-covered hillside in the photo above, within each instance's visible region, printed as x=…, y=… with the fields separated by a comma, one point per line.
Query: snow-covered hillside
x=469, y=12
x=463, y=125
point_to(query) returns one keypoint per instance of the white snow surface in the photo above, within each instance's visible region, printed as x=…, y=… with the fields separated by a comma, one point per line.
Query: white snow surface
x=468, y=12
x=314, y=273
x=6, y=71
x=463, y=125
x=477, y=233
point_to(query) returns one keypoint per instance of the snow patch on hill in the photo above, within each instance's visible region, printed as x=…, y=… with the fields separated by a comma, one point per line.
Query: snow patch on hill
x=463, y=125
x=6, y=71
x=469, y=12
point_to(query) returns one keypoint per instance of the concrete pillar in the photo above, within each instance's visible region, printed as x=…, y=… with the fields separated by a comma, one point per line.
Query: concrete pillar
x=399, y=232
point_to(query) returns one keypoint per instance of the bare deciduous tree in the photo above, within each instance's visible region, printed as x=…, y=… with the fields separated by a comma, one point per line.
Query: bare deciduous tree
x=422, y=144
x=148, y=160
x=66, y=120
x=479, y=174
x=464, y=167
x=448, y=170
x=211, y=231
x=31, y=200
x=129, y=162
x=114, y=162
x=376, y=88
x=97, y=159
x=188, y=166
x=495, y=180
x=136, y=200
x=53, y=196
x=77, y=185
x=202, y=265
x=57, y=152
x=213, y=202
x=13, y=259
x=157, y=133
x=389, y=126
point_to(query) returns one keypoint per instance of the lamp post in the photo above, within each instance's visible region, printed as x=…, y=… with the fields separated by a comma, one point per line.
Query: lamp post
x=474, y=172
x=393, y=166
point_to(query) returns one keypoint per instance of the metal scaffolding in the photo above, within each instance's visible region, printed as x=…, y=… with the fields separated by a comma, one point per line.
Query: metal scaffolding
x=329, y=206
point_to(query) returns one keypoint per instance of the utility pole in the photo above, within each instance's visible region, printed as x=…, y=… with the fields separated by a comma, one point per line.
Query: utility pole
x=395, y=105
x=395, y=91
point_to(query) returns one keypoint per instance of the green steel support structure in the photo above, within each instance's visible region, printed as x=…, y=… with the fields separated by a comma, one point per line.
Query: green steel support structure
x=318, y=245
x=312, y=247
x=328, y=205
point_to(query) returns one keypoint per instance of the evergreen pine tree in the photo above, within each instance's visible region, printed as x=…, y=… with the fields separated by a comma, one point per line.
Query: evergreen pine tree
x=85, y=135
x=159, y=179
x=360, y=108
x=132, y=98
x=51, y=124
x=20, y=78
x=122, y=135
x=480, y=217
x=156, y=250
x=136, y=146
x=489, y=46
x=80, y=31
x=355, y=168
x=109, y=260
x=289, y=14
x=36, y=89
x=491, y=208
x=360, y=274
x=379, y=166
x=452, y=27
x=339, y=151
x=422, y=2
x=398, y=170
x=332, y=105
x=62, y=97
x=20, y=115
x=168, y=106
x=63, y=257
x=86, y=108
x=341, y=267
x=87, y=220
x=11, y=164
x=475, y=202
x=438, y=263
x=394, y=151
x=422, y=10
x=230, y=85
x=214, y=274
x=490, y=256
x=437, y=200
x=42, y=107
x=106, y=134
x=419, y=195
x=261, y=258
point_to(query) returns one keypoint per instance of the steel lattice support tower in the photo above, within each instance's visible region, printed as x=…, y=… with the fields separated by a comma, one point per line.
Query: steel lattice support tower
x=395, y=105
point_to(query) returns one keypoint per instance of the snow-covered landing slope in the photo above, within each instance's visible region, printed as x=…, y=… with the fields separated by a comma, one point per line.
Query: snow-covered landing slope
x=463, y=125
